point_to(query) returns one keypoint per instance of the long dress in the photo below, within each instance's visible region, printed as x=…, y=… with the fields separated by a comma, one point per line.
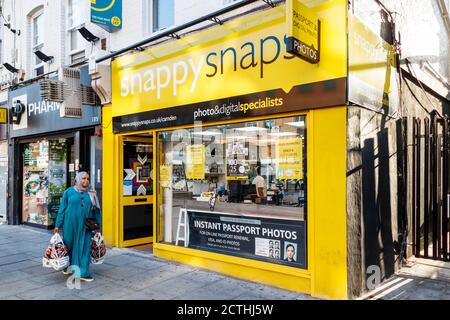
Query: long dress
x=75, y=207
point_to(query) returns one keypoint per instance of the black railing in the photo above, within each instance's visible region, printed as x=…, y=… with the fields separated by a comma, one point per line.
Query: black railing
x=430, y=187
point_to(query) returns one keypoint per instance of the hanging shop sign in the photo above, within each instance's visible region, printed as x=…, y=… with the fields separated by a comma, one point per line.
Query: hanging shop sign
x=232, y=70
x=195, y=162
x=272, y=240
x=107, y=14
x=3, y=115
x=289, y=159
x=372, y=73
x=303, y=31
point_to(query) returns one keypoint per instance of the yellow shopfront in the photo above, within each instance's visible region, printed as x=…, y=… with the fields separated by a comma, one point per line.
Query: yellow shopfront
x=228, y=153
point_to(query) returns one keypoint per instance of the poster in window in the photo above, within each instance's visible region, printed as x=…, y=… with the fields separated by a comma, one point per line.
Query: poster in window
x=195, y=162
x=289, y=159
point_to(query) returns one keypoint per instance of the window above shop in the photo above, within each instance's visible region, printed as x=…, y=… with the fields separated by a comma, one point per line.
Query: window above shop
x=76, y=18
x=163, y=14
x=38, y=42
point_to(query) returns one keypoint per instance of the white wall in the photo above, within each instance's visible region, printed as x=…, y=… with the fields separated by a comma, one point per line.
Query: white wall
x=137, y=22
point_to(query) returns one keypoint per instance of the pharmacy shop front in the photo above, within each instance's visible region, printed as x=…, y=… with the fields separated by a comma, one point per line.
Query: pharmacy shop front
x=226, y=152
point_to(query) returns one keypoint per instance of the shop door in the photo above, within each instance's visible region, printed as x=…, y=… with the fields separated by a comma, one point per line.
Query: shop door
x=44, y=180
x=136, y=200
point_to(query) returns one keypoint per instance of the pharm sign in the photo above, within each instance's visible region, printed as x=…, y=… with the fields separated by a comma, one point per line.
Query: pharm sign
x=107, y=14
x=303, y=31
x=3, y=115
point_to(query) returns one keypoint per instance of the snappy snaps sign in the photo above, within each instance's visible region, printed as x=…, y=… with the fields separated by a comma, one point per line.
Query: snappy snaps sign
x=240, y=57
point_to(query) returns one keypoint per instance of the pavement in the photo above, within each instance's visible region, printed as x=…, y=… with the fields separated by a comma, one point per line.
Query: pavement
x=126, y=274
x=130, y=274
x=419, y=279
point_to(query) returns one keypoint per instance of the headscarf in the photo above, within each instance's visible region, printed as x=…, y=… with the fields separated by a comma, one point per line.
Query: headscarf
x=79, y=177
x=92, y=193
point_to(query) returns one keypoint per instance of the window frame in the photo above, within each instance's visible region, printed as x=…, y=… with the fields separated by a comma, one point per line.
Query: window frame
x=74, y=28
x=154, y=14
x=37, y=46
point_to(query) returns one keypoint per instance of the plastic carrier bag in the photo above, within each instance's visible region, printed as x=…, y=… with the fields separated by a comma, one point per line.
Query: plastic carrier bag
x=56, y=255
x=98, y=249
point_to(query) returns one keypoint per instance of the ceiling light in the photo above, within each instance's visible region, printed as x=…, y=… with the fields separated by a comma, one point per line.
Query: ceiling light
x=250, y=129
x=283, y=134
x=208, y=133
x=298, y=124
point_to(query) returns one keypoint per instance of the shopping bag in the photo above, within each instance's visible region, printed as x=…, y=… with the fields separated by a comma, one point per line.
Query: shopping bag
x=56, y=255
x=98, y=249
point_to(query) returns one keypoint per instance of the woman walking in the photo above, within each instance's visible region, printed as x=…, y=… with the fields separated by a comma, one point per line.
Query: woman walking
x=77, y=204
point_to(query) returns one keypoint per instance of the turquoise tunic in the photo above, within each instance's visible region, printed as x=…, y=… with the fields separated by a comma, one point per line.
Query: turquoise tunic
x=75, y=207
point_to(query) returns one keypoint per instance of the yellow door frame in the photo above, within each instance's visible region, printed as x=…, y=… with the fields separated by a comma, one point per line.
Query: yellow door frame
x=131, y=200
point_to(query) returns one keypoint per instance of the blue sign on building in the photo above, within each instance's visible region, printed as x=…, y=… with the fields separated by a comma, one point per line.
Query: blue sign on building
x=107, y=14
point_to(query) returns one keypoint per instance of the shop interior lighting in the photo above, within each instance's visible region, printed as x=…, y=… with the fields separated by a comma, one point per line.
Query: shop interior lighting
x=237, y=137
x=250, y=129
x=43, y=56
x=10, y=68
x=298, y=124
x=283, y=134
x=208, y=133
x=89, y=36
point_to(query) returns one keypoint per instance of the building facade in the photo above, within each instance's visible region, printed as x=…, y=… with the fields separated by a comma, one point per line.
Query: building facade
x=228, y=145
x=54, y=119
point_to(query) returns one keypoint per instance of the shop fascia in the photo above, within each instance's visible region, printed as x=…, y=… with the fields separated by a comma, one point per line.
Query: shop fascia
x=43, y=106
x=248, y=55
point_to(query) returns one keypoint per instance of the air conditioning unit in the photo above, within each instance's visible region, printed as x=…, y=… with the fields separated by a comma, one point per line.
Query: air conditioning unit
x=68, y=91
x=71, y=106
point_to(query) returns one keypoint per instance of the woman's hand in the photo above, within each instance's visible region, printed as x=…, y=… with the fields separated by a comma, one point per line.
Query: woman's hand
x=56, y=230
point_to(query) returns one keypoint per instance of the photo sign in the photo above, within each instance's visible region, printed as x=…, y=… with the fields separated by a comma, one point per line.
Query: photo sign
x=303, y=31
x=271, y=240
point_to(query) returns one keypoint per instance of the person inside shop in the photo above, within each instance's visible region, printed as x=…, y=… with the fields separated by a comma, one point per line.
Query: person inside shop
x=290, y=253
x=260, y=183
x=78, y=203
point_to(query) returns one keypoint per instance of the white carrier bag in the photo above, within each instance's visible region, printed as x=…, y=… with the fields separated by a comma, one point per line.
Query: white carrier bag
x=56, y=256
x=98, y=249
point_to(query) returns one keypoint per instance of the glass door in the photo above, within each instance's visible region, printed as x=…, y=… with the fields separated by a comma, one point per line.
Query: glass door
x=136, y=200
x=44, y=180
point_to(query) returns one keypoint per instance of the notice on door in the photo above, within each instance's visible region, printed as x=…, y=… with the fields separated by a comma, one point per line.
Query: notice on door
x=271, y=240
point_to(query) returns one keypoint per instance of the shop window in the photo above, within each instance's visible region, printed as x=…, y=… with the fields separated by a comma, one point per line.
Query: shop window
x=163, y=14
x=237, y=189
